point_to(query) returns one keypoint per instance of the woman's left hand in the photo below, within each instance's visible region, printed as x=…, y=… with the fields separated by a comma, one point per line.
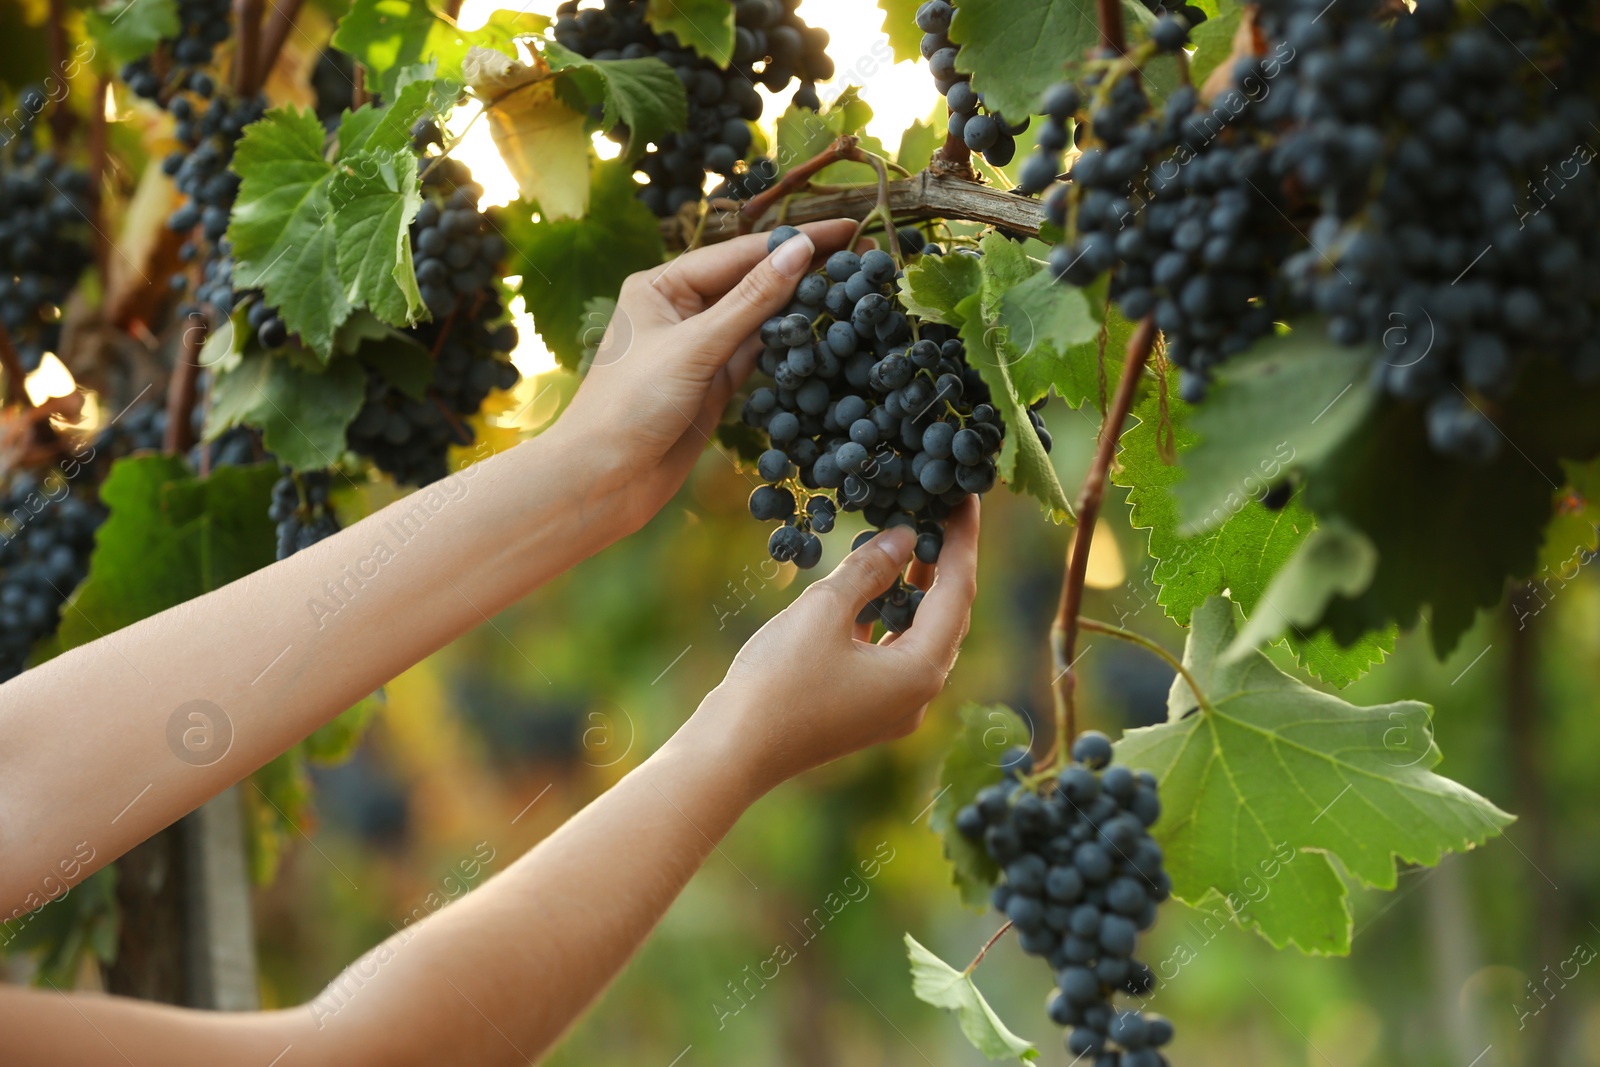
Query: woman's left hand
x=681, y=341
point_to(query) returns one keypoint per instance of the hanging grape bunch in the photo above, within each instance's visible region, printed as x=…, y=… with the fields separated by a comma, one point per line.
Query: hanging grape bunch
x=301, y=511
x=1430, y=225
x=1081, y=878
x=458, y=252
x=869, y=411
x=971, y=123
x=180, y=62
x=46, y=538
x=772, y=47
x=44, y=234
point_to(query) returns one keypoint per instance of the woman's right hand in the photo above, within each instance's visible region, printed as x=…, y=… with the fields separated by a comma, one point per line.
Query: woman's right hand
x=807, y=688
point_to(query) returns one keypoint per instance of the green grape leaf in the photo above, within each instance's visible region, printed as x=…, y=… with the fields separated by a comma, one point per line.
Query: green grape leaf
x=1212, y=40
x=333, y=742
x=387, y=36
x=282, y=238
x=802, y=134
x=936, y=982
x=933, y=286
x=1450, y=533
x=277, y=804
x=169, y=537
x=1333, y=560
x=1023, y=462
x=1242, y=555
x=973, y=761
x=900, y=26
x=387, y=129
x=1054, y=328
x=642, y=94
x=397, y=358
x=78, y=923
x=565, y=264
x=1574, y=532
x=126, y=30
x=597, y=313
x=541, y=137
x=374, y=196
x=1005, y=266
x=1299, y=394
x=1016, y=49
x=1269, y=771
x=703, y=25
x=301, y=415
x=918, y=144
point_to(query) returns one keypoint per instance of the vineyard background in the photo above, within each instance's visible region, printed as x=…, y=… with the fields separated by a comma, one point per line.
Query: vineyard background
x=483, y=749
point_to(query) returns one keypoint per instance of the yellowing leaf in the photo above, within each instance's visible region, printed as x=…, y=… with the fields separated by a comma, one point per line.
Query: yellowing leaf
x=541, y=139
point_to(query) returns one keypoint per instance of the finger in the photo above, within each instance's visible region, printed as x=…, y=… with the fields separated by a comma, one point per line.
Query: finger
x=870, y=569
x=942, y=617
x=760, y=294
x=711, y=272
x=920, y=574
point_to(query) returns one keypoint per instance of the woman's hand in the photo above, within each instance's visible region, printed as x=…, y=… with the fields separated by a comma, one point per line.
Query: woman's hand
x=681, y=341
x=809, y=687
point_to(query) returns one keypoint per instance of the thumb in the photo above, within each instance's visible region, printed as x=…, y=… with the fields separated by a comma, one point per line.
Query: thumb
x=871, y=569
x=759, y=295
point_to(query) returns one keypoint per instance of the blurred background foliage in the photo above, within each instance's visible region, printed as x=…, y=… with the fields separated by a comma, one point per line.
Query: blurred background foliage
x=488, y=746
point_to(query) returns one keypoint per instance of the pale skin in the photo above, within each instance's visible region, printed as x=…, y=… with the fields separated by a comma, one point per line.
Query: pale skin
x=497, y=976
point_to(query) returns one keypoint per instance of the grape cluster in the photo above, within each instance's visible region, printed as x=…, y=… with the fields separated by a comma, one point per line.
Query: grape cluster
x=457, y=249
x=301, y=511
x=46, y=539
x=143, y=428
x=45, y=238
x=869, y=411
x=208, y=127
x=180, y=61
x=772, y=47
x=1081, y=878
x=973, y=124
x=1456, y=221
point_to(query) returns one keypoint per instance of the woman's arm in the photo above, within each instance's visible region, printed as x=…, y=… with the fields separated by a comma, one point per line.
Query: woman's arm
x=91, y=752
x=496, y=977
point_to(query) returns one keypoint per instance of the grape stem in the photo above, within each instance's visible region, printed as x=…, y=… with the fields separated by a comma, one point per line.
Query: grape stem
x=181, y=394
x=1064, y=630
x=61, y=119
x=274, y=33
x=358, y=92
x=247, y=20
x=987, y=945
x=881, y=209
x=97, y=169
x=1095, y=626
x=793, y=179
x=1108, y=13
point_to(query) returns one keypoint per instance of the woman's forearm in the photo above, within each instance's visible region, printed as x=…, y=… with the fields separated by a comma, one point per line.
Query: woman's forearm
x=264, y=661
x=493, y=979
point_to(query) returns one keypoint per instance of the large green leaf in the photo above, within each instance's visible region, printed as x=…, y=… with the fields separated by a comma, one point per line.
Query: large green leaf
x=1290, y=401
x=1016, y=49
x=936, y=982
x=375, y=195
x=918, y=144
x=1213, y=40
x=973, y=761
x=1270, y=781
x=1332, y=561
x=1054, y=328
x=1450, y=533
x=301, y=415
x=802, y=134
x=126, y=30
x=703, y=25
x=387, y=36
x=169, y=537
x=387, y=128
x=1242, y=555
x=566, y=263
x=283, y=239
x=642, y=94
x=933, y=286
x=900, y=25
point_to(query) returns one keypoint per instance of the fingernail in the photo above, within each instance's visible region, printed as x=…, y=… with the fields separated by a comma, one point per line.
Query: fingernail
x=897, y=543
x=793, y=256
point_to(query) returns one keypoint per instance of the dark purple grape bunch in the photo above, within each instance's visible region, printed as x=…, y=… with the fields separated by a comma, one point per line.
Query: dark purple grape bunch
x=203, y=24
x=459, y=254
x=46, y=241
x=1081, y=878
x=301, y=510
x=868, y=411
x=45, y=548
x=975, y=125
x=772, y=47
